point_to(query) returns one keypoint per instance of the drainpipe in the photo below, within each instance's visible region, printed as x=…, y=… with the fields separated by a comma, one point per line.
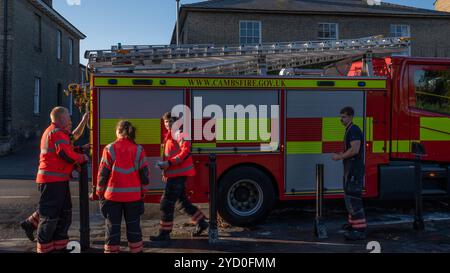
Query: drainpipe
x=6, y=117
x=178, y=26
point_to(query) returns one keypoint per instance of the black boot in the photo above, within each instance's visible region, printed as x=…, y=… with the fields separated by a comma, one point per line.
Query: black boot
x=355, y=235
x=162, y=236
x=202, y=226
x=29, y=229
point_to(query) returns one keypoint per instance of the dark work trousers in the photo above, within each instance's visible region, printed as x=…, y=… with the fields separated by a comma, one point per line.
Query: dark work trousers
x=55, y=216
x=176, y=191
x=112, y=212
x=353, y=187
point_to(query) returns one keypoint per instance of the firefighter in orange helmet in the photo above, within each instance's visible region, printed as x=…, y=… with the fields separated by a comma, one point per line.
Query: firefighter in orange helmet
x=177, y=165
x=56, y=164
x=123, y=178
x=31, y=223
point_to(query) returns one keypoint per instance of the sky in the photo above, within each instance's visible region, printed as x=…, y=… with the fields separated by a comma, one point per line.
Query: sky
x=149, y=22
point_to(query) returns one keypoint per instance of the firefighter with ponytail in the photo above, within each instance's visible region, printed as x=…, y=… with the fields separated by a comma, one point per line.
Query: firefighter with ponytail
x=123, y=178
x=177, y=165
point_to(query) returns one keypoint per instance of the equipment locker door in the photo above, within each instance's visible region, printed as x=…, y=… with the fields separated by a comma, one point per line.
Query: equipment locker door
x=313, y=133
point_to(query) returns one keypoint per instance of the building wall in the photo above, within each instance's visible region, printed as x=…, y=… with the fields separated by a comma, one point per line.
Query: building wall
x=442, y=5
x=29, y=62
x=6, y=82
x=223, y=28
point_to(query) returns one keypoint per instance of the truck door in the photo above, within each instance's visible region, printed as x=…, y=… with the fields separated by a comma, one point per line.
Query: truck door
x=313, y=133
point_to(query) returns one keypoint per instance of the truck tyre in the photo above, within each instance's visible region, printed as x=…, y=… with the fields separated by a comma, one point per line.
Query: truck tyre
x=246, y=196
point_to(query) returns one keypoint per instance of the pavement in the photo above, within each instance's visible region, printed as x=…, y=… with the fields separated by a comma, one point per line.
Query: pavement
x=288, y=229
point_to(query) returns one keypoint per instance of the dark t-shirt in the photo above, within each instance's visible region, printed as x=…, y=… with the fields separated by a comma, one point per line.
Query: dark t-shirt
x=353, y=133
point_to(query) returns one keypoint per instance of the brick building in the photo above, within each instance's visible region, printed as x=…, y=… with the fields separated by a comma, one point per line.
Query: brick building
x=39, y=57
x=256, y=21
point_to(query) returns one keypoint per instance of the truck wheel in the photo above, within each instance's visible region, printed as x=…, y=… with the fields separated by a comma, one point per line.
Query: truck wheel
x=246, y=196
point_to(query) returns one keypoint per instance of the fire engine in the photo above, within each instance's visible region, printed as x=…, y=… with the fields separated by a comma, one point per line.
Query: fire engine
x=398, y=101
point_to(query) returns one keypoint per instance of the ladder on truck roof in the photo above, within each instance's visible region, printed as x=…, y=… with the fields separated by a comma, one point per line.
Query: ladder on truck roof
x=236, y=60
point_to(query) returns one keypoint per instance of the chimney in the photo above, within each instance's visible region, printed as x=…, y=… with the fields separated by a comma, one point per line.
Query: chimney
x=48, y=2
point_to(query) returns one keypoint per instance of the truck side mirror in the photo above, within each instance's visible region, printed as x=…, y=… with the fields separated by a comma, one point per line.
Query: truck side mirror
x=418, y=149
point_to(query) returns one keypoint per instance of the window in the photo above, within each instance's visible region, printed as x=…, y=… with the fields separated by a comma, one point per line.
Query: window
x=249, y=32
x=58, y=45
x=37, y=95
x=432, y=89
x=70, y=106
x=401, y=31
x=70, y=54
x=38, y=32
x=328, y=31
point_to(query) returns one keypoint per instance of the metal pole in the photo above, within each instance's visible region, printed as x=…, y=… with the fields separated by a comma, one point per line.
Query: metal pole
x=418, y=217
x=84, y=208
x=213, y=232
x=178, y=19
x=320, y=230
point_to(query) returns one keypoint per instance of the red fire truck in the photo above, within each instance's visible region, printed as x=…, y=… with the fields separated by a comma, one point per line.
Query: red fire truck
x=398, y=101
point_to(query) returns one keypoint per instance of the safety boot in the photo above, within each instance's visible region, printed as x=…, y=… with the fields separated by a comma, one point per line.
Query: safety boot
x=162, y=236
x=201, y=226
x=28, y=228
x=355, y=235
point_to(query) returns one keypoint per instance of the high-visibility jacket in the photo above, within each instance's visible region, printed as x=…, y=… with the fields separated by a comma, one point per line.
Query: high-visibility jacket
x=58, y=156
x=123, y=175
x=177, y=151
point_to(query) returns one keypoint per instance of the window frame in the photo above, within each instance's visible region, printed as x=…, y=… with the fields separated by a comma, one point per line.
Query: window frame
x=412, y=92
x=395, y=34
x=247, y=36
x=329, y=24
x=37, y=89
x=38, y=43
x=70, y=47
x=59, y=45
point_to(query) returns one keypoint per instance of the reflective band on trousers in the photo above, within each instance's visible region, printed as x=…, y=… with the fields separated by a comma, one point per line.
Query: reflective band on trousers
x=53, y=174
x=180, y=170
x=125, y=190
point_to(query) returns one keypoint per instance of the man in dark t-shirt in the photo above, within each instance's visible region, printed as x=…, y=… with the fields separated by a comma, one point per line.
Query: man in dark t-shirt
x=353, y=158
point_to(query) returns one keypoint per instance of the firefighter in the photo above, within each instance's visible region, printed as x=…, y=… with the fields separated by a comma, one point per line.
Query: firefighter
x=353, y=159
x=31, y=223
x=56, y=164
x=177, y=165
x=123, y=178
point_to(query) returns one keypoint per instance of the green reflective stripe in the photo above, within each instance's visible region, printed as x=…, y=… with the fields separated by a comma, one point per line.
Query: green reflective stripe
x=42, y=172
x=123, y=171
x=333, y=130
x=123, y=190
x=401, y=146
x=379, y=147
x=304, y=147
x=243, y=130
x=180, y=170
x=369, y=129
x=137, y=162
x=434, y=129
